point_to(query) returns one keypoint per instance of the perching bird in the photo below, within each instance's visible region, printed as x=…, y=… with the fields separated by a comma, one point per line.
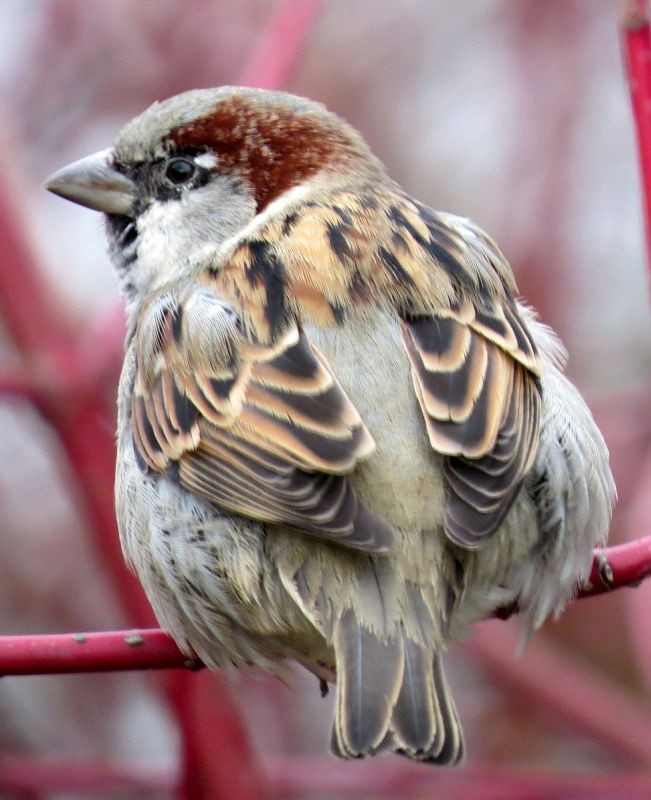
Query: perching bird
x=341, y=437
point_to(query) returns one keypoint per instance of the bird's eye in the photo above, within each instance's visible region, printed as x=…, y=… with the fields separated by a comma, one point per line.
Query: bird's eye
x=180, y=170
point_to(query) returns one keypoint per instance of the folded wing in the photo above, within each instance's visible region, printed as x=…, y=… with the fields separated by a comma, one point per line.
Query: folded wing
x=471, y=370
x=267, y=432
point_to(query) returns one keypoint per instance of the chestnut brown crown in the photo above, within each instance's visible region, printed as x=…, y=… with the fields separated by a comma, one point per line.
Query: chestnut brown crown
x=271, y=140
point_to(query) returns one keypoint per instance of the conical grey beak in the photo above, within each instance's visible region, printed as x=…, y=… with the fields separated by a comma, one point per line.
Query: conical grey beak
x=94, y=183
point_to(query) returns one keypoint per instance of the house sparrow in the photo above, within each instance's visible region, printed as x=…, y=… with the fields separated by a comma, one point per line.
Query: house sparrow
x=341, y=437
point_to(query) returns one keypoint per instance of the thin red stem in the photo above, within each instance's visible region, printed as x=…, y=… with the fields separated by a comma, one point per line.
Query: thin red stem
x=614, y=567
x=47, y=777
x=636, y=35
x=278, y=48
x=391, y=778
x=569, y=696
x=19, y=384
x=620, y=565
x=147, y=648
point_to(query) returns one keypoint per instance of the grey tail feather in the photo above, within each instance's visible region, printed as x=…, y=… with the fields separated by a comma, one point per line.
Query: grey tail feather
x=369, y=673
x=391, y=695
x=425, y=725
x=453, y=749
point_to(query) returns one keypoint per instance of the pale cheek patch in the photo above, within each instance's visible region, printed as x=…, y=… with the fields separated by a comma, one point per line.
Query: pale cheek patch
x=160, y=234
x=175, y=235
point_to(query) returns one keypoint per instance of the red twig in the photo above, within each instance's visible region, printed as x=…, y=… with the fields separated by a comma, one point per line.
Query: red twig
x=570, y=696
x=394, y=777
x=46, y=777
x=614, y=567
x=280, y=44
x=18, y=384
x=219, y=761
x=636, y=48
x=304, y=777
x=90, y=652
x=621, y=565
x=636, y=35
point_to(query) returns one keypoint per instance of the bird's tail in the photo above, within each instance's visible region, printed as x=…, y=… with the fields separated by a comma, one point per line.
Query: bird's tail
x=391, y=694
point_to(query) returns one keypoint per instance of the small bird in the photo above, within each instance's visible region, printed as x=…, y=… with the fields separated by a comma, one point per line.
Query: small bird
x=342, y=439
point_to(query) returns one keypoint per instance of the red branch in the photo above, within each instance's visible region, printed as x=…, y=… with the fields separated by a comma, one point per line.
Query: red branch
x=305, y=777
x=636, y=46
x=280, y=44
x=393, y=777
x=622, y=565
x=614, y=567
x=147, y=648
x=105, y=778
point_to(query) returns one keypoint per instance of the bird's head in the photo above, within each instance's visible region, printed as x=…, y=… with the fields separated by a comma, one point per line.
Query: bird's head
x=195, y=170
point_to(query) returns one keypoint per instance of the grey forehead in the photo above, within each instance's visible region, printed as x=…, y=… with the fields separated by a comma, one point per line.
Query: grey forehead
x=143, y=137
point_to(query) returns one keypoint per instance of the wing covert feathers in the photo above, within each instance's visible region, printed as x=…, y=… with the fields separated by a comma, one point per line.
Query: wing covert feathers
x=472, y=375
x=258, y=423
x=267, y=433
x=350, y=251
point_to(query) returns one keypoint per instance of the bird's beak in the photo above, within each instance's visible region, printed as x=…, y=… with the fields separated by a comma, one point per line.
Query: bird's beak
x=95, y=183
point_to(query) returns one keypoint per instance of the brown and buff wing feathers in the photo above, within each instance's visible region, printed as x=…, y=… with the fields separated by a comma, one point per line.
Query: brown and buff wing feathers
x=475, y=366
x=482, y=411
x=265, y=431
x=475, y=373
x=473, y=361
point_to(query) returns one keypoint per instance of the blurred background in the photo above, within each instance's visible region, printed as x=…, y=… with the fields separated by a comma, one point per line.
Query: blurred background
x=512, y=112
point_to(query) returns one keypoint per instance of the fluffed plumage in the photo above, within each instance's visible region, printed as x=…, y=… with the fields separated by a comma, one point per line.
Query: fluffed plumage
x=341, y=437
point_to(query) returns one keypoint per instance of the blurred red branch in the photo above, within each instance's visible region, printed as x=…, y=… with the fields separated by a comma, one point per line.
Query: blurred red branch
x=620, y=565
x=279, y=46
x=306, y=777
x=557, y=686
x=20, y=774
x=20, y=385
x=392, y=778
x=90, y=652
x=614, y=567
x=636, y=34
